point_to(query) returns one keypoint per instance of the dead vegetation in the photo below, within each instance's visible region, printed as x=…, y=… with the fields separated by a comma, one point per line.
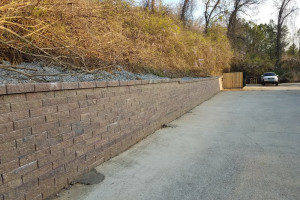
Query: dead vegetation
x=291, y=70
x=97, y=35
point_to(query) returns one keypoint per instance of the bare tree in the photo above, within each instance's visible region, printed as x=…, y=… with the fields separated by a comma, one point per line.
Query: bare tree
x=298, y=36
x=187, y=10
x=149, y=4
x=184, y=10
x=285, y=9
x=209, y=13
x=145, y=3
x=238, y=6
x=152, y=5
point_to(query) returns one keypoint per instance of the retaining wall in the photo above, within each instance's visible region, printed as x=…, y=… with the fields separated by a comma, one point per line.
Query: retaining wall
x=50, y=133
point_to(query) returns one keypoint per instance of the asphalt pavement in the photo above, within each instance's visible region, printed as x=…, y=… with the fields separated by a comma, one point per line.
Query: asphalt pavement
x=239, y=145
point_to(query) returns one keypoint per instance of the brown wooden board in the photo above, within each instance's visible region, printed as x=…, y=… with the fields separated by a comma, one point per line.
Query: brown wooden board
x=233, y=80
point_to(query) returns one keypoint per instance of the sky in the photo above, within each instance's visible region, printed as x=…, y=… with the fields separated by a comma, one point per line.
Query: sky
x=263, y=14
x=268, y=11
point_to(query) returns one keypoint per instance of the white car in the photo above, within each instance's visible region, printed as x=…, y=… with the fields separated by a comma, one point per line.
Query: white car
x=269, y=77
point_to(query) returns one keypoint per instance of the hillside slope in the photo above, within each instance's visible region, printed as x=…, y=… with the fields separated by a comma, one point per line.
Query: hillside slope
x=89, y=35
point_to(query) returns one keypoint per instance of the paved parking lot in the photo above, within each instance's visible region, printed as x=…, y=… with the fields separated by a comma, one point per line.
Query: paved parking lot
x=238, y=145
x=282, y=86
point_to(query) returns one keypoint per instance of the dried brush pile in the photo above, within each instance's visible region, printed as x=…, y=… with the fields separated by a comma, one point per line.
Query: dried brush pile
x=96, y=35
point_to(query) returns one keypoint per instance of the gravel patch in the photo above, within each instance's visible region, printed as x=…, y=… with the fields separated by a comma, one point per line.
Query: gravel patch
x=42, y=73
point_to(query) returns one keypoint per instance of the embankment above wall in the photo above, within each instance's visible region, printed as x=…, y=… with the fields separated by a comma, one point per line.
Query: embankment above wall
x=50, y=133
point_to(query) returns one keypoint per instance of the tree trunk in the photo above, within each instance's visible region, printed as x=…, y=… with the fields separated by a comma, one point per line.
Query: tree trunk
x=208, y=14
x=231, y=27
x=206, y=26
x=278, y=45
x=284, y=12
x=184, y=10
x=152, y=5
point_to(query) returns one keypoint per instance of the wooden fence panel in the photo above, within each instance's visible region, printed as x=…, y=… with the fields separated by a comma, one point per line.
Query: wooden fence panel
x=233, y=80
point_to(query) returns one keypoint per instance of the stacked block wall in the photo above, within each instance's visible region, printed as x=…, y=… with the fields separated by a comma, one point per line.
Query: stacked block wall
x=50, y=133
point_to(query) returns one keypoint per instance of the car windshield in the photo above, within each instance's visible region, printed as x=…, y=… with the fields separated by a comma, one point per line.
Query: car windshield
x=270, y=74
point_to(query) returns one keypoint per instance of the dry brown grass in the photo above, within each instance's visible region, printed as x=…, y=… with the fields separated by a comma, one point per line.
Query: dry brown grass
x=90, y=34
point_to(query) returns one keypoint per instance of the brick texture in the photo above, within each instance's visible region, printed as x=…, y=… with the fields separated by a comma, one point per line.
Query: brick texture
x=52, y=133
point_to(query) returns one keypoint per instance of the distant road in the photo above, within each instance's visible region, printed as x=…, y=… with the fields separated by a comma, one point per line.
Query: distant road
x=240, y=145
